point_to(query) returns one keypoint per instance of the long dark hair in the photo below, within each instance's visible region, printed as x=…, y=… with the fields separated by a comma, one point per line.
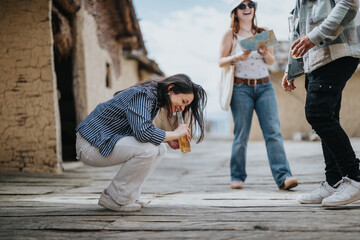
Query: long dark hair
x=181, y=83
x=235, y=23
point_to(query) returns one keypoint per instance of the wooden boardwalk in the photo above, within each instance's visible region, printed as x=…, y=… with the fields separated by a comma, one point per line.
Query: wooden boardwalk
x=188, y=197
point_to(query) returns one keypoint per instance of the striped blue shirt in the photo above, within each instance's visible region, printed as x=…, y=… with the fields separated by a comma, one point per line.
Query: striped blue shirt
x=129, y=113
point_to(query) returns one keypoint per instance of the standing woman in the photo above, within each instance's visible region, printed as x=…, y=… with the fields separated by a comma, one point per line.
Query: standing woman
x=121, y=131
x=253, y=90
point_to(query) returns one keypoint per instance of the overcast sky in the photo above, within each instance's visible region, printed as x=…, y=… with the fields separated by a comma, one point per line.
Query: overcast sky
x=183, y=36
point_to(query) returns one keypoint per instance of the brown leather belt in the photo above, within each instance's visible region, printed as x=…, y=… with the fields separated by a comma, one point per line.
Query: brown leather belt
x=251, y=82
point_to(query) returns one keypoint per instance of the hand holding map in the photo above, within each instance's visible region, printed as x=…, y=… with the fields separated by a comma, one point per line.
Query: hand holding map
x=264, y=39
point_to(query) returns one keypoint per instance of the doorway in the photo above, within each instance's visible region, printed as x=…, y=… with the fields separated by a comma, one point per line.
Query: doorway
x=63, y=69
x=63, y=61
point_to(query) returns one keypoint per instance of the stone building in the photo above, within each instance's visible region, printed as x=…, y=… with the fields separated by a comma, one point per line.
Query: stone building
x=58, y=60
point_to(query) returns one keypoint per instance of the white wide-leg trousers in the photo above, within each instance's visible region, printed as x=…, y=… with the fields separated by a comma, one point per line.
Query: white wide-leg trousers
x=139, y=161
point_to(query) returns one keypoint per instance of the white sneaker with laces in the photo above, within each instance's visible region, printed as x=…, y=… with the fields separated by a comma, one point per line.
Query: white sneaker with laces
x=316, y=196
x=107, y=202
x=348, y=191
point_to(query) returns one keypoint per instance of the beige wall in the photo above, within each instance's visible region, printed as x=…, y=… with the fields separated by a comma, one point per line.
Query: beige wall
x=90, y=68
x=129, y=74
x=292, y=112
x=144, y=75
x=29, y=139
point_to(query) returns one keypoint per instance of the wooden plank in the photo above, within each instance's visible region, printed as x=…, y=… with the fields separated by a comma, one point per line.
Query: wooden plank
x=189, y=198
x=226, y=234
x=27, y=190
x=247, y=222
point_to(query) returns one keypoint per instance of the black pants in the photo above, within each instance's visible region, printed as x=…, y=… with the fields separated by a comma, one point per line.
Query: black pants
x=324, y=88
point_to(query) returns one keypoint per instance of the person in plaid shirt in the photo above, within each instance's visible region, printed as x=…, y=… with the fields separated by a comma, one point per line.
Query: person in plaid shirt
x=326, y=48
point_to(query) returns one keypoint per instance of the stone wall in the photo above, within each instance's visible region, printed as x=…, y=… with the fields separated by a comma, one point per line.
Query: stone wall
x=29, y=112
x=29, y=130
x=90, y=68
x=292, y=112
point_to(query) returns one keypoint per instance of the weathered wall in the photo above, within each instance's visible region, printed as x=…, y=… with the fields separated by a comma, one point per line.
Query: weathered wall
x=90, y=68
x=29, y=130
x=292, y=112
x=129, y=73
x=350, y=108
x=144, y=75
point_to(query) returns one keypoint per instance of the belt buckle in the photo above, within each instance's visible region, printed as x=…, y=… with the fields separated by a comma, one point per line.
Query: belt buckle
x=253, y=85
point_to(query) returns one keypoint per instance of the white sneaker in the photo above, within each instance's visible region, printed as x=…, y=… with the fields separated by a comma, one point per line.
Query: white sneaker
x=107, y=202
x=348, y=191
x=323, y=191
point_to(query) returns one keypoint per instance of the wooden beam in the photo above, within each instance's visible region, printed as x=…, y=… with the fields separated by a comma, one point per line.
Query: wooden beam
x=70, y=6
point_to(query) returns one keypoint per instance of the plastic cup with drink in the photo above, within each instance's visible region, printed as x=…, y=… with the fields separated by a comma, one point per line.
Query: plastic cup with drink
x=294, y=53
x=184, y=143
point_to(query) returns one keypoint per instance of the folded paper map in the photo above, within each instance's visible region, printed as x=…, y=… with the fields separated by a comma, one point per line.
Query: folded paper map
x=264, y=39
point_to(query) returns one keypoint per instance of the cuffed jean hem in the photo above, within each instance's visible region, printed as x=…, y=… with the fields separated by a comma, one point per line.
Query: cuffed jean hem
x=262, y=99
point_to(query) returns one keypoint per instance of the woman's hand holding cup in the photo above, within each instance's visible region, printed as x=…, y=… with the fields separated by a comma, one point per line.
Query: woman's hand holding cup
x=183, y=130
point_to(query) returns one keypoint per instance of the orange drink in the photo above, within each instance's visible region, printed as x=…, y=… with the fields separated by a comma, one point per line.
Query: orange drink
x=184, y=144
x=183, y=141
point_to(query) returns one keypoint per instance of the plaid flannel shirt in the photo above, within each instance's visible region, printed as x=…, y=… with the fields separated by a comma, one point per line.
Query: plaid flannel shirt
x=332, y=25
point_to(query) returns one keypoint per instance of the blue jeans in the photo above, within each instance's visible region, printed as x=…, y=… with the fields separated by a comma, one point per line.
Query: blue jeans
x=261, y=98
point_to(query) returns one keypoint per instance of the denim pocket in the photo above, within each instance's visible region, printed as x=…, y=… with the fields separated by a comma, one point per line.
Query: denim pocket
x=323, y=87
x=238, y=84
x=322, y=99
